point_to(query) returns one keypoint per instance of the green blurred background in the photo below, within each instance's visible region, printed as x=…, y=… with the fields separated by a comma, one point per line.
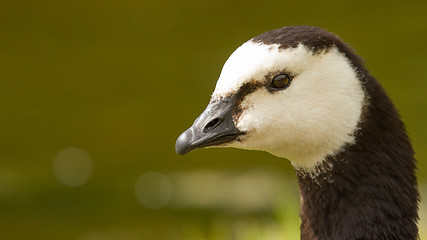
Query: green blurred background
x=95, y=93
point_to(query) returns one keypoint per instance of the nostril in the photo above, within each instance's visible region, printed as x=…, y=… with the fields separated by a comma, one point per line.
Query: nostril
x=212, y=124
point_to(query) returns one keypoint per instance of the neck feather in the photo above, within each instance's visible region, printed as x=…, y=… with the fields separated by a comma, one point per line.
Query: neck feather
x=370, y=192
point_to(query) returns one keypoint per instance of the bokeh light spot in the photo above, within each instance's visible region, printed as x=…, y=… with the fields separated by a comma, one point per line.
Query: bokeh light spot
x=72, y=166
x=153, y=190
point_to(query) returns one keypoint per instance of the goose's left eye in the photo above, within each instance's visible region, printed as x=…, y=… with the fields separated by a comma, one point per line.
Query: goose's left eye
x=281, y=81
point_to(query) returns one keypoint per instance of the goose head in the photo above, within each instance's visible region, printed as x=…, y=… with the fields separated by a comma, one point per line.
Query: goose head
x=295, y=92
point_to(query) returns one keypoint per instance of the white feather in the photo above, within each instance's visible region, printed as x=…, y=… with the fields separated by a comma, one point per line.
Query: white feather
x=313, y=118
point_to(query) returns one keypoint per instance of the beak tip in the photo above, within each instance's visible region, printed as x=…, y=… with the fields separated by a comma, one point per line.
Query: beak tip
x=183, y=143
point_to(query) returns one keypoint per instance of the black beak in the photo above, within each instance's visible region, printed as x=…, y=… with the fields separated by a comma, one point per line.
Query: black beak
x=213, y=127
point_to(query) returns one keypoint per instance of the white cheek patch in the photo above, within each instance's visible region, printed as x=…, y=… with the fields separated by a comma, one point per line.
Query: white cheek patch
x=313, y=118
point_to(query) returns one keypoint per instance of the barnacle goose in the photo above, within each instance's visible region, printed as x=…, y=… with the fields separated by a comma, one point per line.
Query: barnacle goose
x=301, y=93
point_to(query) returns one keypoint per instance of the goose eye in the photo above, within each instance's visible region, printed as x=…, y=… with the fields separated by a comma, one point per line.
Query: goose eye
x=281, y=81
